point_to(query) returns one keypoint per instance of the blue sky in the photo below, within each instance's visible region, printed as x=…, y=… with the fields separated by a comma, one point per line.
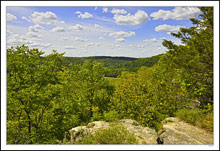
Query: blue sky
x=97, y=31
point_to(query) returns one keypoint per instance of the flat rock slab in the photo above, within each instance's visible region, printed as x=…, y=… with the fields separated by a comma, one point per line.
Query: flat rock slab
x=180, y=132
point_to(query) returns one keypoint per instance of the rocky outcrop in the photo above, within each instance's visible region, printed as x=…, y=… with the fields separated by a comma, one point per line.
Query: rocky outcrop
x=176, y=132
x=180, y=132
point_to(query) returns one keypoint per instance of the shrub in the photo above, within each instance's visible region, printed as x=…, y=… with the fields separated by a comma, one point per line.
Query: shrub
x=97, y=117
x=190, y=116
x=111, y=116
x=197, y=117
x=110, y=135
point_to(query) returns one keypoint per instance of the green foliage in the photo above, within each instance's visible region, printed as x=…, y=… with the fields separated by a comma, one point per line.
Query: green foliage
x=47, y=96
x=190, y=115
x=198, y=117
x=111, y=116
x=31, y=90
x=195, y=58
x=115, y=65
x=111, y=135
x=97, y=117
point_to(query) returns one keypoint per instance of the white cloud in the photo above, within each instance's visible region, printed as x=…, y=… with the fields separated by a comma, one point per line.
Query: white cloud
x=97, y=26
x=140, y=46
x=117, y=46
x=91, y=44
x=150, y=40
x=139, y=17
x=62, y=22
x=101, y=38
x=18, y=39
x=57, y=29
x=119, y=40
x=178, y=13
x=34, y=44
x=78, y=39
x=77, y=27
x=166, y=27
x=104, y=10
x=11, y=17
x=118, y=11
x=162, y=38
x=35, y=28
x=9, y=32
x=25, y=18
x=33, y=35
x=46, y=45
x=85, y=15
x=120, y=34
x=73, y=39
x=70, y=47
x=42, y=18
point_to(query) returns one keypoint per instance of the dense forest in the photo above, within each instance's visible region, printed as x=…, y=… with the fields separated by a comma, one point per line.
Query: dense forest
x=49, y=95
x=115, y=65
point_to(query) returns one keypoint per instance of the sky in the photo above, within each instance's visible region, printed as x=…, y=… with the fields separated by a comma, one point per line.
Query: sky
x=97, y=31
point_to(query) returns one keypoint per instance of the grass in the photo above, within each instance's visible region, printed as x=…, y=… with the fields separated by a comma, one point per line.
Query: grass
x=197, y=117
x=111, y=135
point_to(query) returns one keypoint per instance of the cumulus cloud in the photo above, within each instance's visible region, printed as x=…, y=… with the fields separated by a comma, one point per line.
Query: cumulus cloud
x=166, y=27
x=9, y=32
x=25, y=18
x=42, y=18
x=140, y=46
x=97, y=26
x=118, y=11
x=139, y=17
x=35, y=28
x=18, y=39
x=70, y=47
x=119, y=40
x=91, y=44
x=73, y=39
x=150, y=40
x=85, y=15
x=77, y=27
x=33, y=35
x=121, y=34
x=104, y=10
x=11, y=17
x=178, y=13
x=46, y=45
x=101, y=38
x=57, y=29
x=78, y=39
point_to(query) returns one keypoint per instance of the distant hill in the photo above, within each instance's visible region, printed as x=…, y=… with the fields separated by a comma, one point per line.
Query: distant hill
x=106, y=60
x=116, y=64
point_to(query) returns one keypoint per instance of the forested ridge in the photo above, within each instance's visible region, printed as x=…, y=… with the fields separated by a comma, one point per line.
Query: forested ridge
x=47, y=96
x=115, y=65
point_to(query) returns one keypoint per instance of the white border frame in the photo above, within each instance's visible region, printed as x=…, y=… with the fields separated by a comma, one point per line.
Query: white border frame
x=215, y=4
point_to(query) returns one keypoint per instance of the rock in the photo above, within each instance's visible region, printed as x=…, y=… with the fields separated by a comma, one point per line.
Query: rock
x=143, y=134
x=82, y=131
x=180, y=132
x=176, y=132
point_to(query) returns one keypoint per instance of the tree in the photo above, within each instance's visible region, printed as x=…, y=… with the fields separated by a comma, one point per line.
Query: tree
x=31, y=89
x=194, y=58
